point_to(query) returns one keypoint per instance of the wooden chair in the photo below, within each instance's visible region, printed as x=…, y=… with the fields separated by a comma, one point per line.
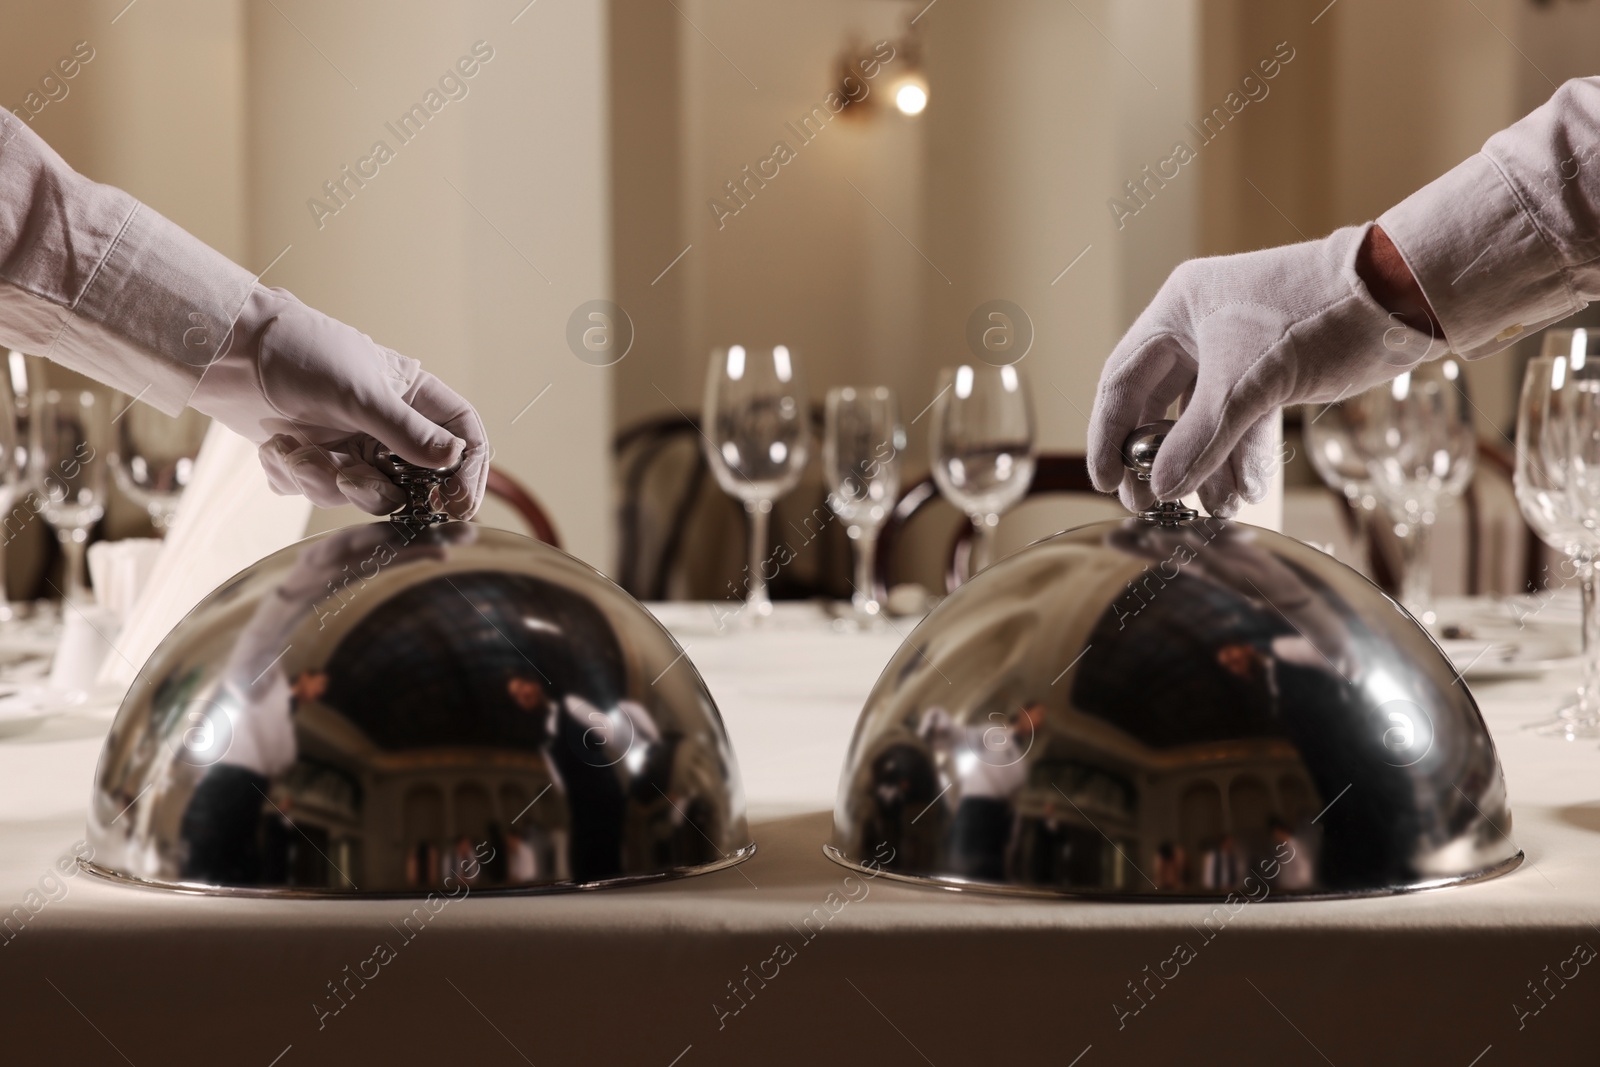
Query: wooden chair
x=1052, y=473
x=638, y=449
x=510, y=492
x=647, y=569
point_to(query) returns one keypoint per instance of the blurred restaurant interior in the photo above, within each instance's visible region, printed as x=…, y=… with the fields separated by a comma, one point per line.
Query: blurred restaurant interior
x=786, y=320
x=588, y=158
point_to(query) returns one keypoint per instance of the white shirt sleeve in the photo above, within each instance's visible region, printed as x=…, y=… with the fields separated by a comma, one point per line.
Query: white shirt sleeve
x=1509, y=241
x=97, y=281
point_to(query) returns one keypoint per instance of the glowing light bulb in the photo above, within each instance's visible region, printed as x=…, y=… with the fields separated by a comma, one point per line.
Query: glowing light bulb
x=911, y=98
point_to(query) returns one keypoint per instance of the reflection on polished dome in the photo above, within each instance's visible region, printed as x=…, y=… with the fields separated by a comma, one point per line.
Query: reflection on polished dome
x=1185, y=709
x=388, y=709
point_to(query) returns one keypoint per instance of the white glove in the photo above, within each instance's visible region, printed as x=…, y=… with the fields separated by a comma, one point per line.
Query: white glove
x=1237, y=337
x=317, y=396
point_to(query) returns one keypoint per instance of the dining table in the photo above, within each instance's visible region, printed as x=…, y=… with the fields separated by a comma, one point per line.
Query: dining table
x=789, y=958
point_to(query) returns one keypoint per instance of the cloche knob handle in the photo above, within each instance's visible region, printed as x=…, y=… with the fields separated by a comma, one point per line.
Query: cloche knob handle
x=1139, y=450
x=421, y=484
x=1139, y=456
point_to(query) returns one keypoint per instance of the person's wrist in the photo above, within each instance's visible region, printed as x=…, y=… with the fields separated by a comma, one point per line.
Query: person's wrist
x=1383, y=271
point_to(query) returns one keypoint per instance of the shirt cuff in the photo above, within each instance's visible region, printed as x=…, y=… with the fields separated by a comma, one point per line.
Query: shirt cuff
x=30, y=323
x=1488, y=272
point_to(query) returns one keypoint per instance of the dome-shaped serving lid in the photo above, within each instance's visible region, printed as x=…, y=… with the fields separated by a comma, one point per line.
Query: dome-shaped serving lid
x=1179, y=706
x=415, y=706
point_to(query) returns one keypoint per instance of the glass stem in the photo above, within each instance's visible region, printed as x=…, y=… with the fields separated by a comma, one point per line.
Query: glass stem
x=75, y=545
x=756, y=598
x=982, y=545
x=865, y=597
x=1416, y=576
x=1589, y=692
x=1363, y=535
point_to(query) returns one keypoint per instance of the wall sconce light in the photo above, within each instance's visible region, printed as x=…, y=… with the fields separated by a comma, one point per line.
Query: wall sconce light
x=891, y=70
x=909, y=91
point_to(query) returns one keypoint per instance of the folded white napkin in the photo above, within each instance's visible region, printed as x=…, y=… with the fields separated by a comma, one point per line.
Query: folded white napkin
x=88, y=640
x=229, y=519
x=119, y=571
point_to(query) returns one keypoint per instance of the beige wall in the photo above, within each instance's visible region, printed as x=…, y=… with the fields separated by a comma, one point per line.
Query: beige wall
x=164, y=121
x=1557, y=42
x=452, y=275
x=808, y=262
x=1040, y=112
x=223, y=116
x=1034, y=122
x=228, y=118
x=1418, y=87
x=1268, y=178
x=1023, y=151
x=156, y=110
x=647, y=213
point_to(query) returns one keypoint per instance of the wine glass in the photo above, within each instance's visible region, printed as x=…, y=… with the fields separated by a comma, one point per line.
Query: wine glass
x=1331, y=433
x=1540, y=480
x=153, y=456
x=756, y=438
x=1420, y=447
x=1571, y=459
x=69, y=469
x=861, y=460
x=982, y=447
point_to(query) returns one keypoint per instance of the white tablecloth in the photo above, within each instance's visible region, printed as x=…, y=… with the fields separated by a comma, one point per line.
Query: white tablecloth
x=107, y=974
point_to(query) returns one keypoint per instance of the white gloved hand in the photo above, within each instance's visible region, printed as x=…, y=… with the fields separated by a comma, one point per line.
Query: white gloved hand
x=317, y=396
x=1237, y=337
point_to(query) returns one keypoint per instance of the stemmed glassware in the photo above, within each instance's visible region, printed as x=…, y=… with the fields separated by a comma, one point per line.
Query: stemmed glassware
x=756, y=435
x=1420, y=446
x=1553, y=501
x=981, y=444
x=153, y=456
x=861, y=450
x=69, y=471
x=1331, y=434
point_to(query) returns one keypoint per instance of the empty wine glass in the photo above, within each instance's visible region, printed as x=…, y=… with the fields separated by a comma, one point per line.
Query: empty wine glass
x=1544, y=443
x=861, y=460
x=154, y=454
x=1331, y=433
x=756, y=437
x=1421, y=449
x=982, y=447
x=70, y=473
x=1572, y=449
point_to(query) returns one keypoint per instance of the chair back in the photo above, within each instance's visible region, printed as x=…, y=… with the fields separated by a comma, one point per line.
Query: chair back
x=1053, y=472
x=652, y=530
x=510, y=492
